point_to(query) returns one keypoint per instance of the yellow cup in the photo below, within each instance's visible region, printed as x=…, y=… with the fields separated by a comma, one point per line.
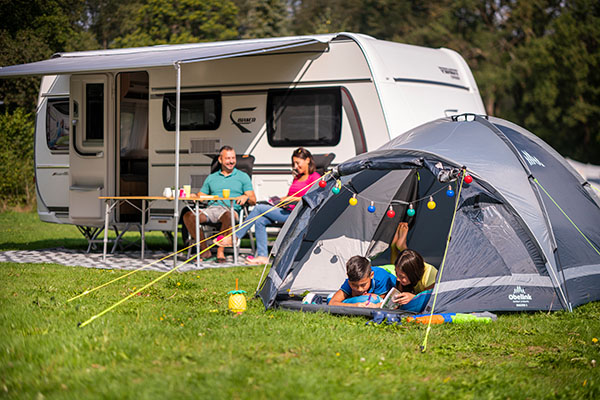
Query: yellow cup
x=187, y=189
x=226, y=193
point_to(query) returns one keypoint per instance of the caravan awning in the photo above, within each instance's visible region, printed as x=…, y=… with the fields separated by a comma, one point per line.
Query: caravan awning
x=157, y=56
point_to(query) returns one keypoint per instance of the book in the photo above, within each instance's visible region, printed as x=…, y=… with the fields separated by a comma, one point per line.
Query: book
x=388, y=303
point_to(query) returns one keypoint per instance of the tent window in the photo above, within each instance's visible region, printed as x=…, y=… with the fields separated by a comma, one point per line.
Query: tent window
x=57, y=124
x=94, y=108
x=198, y=112
x=304, y=117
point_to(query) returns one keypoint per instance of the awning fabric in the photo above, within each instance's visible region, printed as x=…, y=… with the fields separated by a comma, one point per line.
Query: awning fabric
x=156, y=56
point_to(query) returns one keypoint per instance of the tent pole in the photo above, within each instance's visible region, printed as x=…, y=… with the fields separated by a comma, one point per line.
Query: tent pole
x=177, y=126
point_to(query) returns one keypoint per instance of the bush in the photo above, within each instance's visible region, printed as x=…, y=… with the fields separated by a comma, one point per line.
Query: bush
x=17, y=182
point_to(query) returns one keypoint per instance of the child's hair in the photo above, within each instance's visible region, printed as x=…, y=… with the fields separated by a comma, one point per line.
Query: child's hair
x=358, y=267
x=411, y=263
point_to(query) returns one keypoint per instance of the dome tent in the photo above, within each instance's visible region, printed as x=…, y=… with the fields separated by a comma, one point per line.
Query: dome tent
x=526, y=234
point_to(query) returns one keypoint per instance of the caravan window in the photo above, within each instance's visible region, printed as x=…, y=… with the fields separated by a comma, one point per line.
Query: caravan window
x=198, y=112
x=94, y=109
x=57, y=124
x=304, y=117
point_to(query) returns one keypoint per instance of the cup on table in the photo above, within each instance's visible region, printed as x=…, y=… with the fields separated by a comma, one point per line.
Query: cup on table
x=167, y=192
x=226, y=193
x=181, y=193
x=187, y=189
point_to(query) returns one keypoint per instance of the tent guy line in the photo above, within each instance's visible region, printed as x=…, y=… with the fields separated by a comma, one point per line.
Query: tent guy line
x=566, y=216
x=282, y=204
x=439, y=276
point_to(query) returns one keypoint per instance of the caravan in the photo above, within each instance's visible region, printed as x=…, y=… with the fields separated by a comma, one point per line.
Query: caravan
x=107, y=120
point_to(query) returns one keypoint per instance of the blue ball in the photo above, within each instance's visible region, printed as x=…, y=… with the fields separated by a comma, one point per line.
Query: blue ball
x=450, y=193
x=410, y=212
x=371, y=209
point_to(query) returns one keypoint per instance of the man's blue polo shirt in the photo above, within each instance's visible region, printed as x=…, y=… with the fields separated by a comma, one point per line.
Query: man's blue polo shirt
x=381, y=283
x=238, y=182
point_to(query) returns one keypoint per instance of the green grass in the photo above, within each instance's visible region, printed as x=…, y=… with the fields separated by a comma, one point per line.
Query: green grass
x=177, y=340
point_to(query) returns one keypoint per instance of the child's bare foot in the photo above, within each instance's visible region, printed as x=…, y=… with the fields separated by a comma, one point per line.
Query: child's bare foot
x=400, y=237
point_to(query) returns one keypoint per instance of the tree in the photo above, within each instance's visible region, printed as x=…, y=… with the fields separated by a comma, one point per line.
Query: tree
x=262, y=18
x=183, y=21
x=32, y=31
x=557, y=85
x=109, y=19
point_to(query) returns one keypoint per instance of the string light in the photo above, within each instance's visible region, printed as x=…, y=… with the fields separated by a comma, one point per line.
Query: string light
x=431, y=204
x=338, y=186
x=411, y=212
x=391, y=213
x=371, y=208
x=353, y=201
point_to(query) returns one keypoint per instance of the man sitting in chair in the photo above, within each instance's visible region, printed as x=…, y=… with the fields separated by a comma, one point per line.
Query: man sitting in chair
x=240, y=186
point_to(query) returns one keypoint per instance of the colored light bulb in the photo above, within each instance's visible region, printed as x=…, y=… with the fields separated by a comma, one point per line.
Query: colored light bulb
x=468, y=179
x=371, y=208
x=335, y=190
x=353, y=201
x=391, y=213
x=431, y=204
x=411, y=211
x=450, y=192
x=322, y=183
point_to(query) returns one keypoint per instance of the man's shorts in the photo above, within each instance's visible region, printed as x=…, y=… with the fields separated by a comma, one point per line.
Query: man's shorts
x=213, y=213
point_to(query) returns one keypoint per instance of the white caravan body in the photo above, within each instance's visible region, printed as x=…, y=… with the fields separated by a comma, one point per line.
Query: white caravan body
x=106, y=119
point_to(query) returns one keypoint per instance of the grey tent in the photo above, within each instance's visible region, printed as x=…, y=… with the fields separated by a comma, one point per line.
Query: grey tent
x=526, y=234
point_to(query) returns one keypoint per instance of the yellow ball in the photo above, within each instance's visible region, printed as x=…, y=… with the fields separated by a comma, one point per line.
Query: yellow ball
x=431, y=205
x=353, y=201
x=237, y=303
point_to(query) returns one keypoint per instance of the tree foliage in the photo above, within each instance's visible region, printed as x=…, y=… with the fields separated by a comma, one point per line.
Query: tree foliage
x=182, y=21
x=536, y=62
x=16, y=158
x=33, y=30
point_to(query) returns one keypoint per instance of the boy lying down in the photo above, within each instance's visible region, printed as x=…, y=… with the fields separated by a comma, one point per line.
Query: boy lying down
x=365, y=286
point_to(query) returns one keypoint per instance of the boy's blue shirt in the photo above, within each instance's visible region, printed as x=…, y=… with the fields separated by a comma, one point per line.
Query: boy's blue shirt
x=381, y=283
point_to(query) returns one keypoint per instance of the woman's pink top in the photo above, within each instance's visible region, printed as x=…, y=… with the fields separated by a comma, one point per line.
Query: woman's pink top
x=297, y=185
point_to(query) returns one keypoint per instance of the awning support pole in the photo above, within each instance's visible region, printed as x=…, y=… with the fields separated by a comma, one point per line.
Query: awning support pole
x=177, y=126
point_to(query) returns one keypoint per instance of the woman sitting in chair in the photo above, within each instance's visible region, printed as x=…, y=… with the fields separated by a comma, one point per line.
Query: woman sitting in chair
x=303, y=166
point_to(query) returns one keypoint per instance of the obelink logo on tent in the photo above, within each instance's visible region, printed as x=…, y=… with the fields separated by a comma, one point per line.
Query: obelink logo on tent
x=519, y=297
x=532, y=160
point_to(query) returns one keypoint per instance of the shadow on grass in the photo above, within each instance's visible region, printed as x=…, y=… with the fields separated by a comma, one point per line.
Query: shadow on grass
x=81, y=244
x=46, y=244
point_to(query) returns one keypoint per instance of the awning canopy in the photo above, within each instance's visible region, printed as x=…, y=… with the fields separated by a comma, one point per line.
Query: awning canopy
x=156, y=56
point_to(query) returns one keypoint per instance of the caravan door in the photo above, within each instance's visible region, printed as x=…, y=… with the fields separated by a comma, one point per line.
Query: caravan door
x=88, y=155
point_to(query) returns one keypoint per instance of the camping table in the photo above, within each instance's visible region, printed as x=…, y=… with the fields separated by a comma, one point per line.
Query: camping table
x=112, y=201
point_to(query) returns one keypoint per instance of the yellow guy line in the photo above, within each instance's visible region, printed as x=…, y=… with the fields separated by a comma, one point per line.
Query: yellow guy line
x=244, y=224
x=138, y=269
x=139, y=290
x=437, y=286
x=188, y=260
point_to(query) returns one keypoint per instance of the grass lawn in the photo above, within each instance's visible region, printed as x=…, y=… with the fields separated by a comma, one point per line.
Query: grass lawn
x=177, y=340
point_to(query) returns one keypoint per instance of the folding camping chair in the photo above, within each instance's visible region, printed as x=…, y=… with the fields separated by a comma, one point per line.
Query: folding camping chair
x=245, y=163
x=322, y=163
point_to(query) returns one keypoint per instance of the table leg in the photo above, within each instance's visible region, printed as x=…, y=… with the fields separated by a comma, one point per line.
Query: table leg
x=143, y=227
x=235, y=249
x=106, y=217
x=197, y=212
